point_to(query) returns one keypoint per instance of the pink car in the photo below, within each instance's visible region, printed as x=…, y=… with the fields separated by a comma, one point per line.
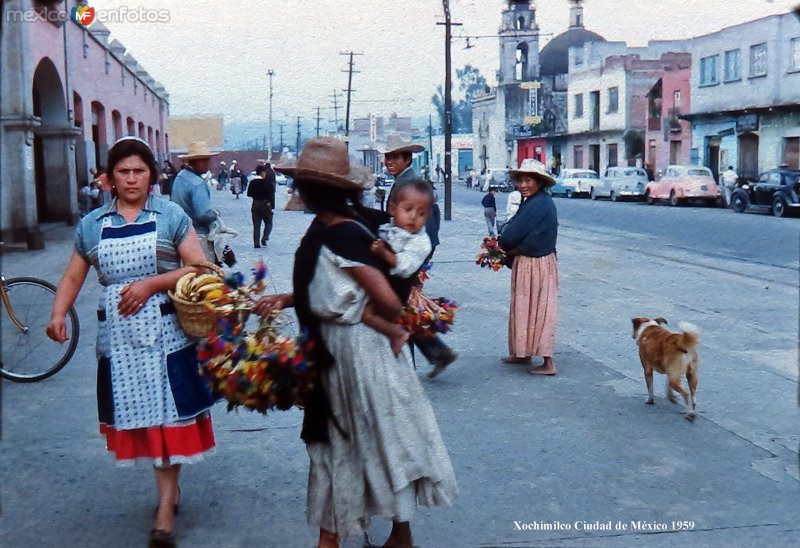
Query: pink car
x=683, y=183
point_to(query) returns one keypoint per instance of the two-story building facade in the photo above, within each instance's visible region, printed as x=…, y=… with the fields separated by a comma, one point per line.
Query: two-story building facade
x=608, y=102
x=66, y=95
x=745, y=89
x=669, y=137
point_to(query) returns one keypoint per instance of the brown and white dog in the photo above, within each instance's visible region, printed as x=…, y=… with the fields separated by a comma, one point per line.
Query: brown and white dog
x=672, y=354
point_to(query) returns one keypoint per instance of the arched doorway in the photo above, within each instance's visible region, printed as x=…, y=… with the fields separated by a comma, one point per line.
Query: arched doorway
x=51, y=165
x=748, y=155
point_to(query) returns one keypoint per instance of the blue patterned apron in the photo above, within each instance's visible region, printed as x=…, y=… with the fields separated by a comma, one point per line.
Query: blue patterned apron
x=147, y=367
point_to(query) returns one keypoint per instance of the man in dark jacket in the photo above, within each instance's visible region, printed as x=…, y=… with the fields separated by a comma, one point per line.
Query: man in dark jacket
x=262, y=191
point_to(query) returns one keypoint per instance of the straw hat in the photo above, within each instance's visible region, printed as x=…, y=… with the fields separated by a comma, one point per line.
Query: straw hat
x=534, y=168
x=197, y=151
x=325, y=160
x=395, y=145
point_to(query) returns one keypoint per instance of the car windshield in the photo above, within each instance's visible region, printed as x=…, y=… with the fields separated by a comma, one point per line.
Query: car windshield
x=634, y=172
x=698, y=172
x=583, y=175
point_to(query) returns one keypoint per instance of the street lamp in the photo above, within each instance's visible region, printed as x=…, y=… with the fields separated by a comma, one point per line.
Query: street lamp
x=270, y=73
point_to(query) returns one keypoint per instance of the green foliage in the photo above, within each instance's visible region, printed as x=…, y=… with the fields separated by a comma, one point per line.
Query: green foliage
x=470, y=83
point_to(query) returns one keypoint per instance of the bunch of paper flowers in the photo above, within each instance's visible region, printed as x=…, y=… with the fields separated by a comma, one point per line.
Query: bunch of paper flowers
x=426, y=316
x=259, y=371
x=491, y=255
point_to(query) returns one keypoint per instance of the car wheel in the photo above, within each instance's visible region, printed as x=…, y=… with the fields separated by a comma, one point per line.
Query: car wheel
x=648, y=199
x=738, y=203
x=592, y=195
x=779, y=207
x=568, y=194
x=614, y=197
x=673, y=199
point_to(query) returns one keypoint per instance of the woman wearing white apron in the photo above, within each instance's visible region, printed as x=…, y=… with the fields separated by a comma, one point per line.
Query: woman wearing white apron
x=152, y=403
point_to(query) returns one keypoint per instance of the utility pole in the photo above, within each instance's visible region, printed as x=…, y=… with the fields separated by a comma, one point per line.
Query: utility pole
x=281, y=124
x=430, y=142
x=448, y=112
x=270, y=73
x=317, y=121
x=297, y=146
x=350, y=89
x=336, y=108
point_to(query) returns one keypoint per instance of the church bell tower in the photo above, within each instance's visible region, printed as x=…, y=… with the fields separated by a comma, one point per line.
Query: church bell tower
x=519, y=43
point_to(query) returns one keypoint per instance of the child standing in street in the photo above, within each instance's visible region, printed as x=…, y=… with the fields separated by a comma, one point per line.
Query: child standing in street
x=490, y=210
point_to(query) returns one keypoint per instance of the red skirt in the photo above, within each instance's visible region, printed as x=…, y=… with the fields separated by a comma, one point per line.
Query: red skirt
x=180, y=443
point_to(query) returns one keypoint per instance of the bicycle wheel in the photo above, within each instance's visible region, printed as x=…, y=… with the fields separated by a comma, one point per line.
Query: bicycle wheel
x=29, y=355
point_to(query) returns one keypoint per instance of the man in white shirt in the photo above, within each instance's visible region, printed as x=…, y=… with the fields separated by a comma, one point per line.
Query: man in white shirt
x=729, y=178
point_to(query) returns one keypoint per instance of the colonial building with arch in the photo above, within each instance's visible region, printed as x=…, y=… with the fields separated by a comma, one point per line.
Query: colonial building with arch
x=66, y=94
x=498, y=113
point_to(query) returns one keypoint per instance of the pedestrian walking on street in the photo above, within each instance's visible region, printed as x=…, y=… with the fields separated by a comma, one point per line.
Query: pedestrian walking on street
x=168, y=174
x=262, y=191
x=529, y=239
x=513, y=203
x=190, y=191
x=366, y=459
x=729, y=178
x=222, y=175
x=490, y=210
x=236, y=179
x=152, y=404
x=398, y=157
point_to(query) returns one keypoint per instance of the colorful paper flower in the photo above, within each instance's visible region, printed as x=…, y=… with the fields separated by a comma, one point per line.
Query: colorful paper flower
x=491, y=255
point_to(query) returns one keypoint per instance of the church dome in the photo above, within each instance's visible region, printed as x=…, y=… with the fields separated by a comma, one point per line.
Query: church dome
x=554, y=57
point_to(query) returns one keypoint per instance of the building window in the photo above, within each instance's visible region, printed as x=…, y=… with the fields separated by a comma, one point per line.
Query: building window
x=613, y=155
x=733, y=65
x=708, y=70
x=676, y=99
x=579, y=55
x=794, y=49
x=758, y=60
x=578, y=105
x=521, y=63
x=577, y=156
x=613, y=99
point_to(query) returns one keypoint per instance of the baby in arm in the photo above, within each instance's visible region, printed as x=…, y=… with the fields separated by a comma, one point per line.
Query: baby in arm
x=404, y=247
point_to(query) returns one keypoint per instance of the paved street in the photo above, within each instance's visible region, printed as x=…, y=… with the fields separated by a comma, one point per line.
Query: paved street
x=540, y=461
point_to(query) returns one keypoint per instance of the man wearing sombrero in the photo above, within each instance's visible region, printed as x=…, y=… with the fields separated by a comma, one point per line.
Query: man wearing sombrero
x=397, y=156
x=191, y=192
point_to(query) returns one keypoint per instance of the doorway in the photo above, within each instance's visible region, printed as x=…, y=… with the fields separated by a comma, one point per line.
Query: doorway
x=594, y=157
x=748, y=155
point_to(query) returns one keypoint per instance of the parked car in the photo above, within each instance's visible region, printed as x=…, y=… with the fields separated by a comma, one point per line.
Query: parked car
x=281, y=179
x=577, y=182
x=621, y=182
x=683, y=183
x=776, y=191
x=497, y=177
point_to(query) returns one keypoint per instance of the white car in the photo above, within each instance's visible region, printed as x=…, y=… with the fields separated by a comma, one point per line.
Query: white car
x=619, y=183
x=281, y=179
x=578, y=182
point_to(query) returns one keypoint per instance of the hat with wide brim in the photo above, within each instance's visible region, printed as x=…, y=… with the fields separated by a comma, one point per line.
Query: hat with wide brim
x=197, y=151
x=395, y=145
x=534, y=168
x=325, y=161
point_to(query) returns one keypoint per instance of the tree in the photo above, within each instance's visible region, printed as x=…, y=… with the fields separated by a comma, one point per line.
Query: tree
x=471, y=84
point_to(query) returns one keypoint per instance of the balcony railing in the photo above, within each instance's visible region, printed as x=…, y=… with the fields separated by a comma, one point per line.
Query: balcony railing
x=674, y=119
x=654, y=124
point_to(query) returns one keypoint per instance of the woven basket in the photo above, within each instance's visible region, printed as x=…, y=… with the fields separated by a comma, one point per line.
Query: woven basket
x=195, y=318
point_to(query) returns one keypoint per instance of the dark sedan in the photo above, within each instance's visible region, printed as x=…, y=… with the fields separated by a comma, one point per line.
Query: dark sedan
x=776, y=191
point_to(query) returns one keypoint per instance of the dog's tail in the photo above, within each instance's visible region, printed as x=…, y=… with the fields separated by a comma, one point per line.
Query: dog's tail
x=690, y=334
